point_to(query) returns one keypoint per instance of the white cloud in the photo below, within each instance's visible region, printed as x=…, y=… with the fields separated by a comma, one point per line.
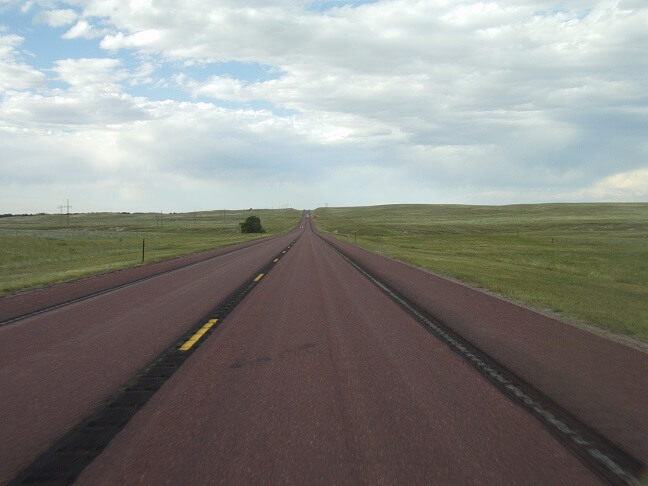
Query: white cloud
x=143, y=75
x=623, y=186
x=69, y=110
x=83, y=29
x=473, y=97
x=26, y=6
x=141, y=39
x=85, y=74
x=476, y=14
x=14, y=74
x=221, y=88
x=57, y=17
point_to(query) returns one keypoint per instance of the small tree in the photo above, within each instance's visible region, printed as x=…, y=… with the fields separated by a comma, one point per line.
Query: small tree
x=252, y=224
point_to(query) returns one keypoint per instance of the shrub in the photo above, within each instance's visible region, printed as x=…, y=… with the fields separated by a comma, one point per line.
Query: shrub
x=252, y=224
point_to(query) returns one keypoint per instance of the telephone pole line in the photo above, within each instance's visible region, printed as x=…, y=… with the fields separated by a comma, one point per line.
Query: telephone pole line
x=67, y=206
x=61, y=208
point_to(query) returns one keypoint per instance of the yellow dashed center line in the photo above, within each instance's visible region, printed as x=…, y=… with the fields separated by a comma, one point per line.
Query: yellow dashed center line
x=194, y=339
x=198, y=335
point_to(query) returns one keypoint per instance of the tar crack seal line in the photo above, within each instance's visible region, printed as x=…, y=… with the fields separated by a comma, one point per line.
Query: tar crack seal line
x=64, y=461
x=599, y=454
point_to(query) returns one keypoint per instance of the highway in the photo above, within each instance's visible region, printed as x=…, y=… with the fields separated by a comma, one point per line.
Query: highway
x=300, y=360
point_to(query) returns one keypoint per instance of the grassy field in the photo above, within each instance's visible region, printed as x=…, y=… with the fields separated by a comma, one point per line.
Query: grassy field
x=41, y=249
x=587, y=262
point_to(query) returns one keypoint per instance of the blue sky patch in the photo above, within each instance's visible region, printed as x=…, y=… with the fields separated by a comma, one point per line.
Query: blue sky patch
x=250, y=72
x=323, y=6
x=43, y=45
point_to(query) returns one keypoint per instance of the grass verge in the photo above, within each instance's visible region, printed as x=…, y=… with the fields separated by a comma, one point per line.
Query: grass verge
x=40, y=250
x=587, y=262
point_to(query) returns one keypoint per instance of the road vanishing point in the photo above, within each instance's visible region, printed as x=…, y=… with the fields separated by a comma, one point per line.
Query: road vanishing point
x=301, y=359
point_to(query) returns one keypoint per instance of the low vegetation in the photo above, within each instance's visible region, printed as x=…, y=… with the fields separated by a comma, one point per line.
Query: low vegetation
x=252, y=224
x=42, y=249
x=587, y=262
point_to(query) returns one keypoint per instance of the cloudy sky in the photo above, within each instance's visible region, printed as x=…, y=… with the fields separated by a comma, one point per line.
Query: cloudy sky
x=148, y=105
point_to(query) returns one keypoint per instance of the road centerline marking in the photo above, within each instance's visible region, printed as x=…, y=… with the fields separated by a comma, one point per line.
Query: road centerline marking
x=69, y=455
x=200, y=333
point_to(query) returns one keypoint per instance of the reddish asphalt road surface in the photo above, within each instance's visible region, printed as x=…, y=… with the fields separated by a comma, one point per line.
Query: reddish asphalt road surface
x=58, y=366
x=316, y=377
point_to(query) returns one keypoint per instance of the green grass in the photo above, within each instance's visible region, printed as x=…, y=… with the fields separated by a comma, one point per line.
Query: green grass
x=40, y=250
x=588, y=262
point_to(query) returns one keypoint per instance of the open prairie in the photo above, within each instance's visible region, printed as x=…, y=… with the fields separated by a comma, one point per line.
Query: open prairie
x=586, y=262
x=42, y=249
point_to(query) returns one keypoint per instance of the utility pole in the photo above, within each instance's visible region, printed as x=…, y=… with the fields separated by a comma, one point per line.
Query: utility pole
x=61, y=208
x=67, y=206
x=68, y=213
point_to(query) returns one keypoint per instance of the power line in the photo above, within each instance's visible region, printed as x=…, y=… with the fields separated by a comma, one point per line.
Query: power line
x=61, y=208
x=67, y=206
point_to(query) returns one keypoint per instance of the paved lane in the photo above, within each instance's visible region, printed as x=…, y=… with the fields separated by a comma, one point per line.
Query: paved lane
x=18, y=304
x=602, y=382
x=318, y=377
x=58, y=366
